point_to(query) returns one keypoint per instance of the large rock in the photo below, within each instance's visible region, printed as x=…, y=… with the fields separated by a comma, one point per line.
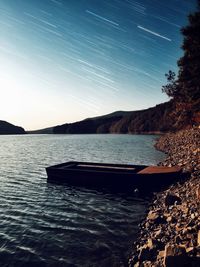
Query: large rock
x=175, y=256
x=172, y=199
x=198, y=193
x=146, y=253
x=198, y=238
x=155, y=218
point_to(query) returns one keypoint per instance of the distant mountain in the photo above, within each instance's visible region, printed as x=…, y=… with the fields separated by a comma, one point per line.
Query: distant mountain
x=99, y=124
x=48, y=130
x=151, y=120
x=8, y=128
x=112, y=115
x=158, y=119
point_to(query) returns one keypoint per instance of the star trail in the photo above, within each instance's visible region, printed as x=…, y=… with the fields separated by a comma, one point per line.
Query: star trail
x=63, y=61
x=102, y=18
x=154, y=33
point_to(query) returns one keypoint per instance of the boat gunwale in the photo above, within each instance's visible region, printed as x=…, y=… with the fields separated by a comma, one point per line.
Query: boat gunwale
x=95, y=167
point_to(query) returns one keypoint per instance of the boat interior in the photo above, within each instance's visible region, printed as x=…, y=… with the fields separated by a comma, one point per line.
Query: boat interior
x=104, y=167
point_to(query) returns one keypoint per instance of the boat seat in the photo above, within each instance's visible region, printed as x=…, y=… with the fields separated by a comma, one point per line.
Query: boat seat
x=159, y=169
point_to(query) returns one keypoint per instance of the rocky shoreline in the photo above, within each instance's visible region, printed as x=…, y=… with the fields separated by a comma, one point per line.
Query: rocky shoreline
x=170, y=234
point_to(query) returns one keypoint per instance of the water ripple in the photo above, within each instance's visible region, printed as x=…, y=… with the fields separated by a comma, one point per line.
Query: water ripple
x=51, y=225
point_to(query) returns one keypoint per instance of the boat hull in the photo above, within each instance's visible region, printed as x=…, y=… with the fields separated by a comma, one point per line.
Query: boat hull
x=116, y=177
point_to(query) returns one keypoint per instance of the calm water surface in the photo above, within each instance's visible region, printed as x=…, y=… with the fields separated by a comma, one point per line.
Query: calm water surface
x=52, y=225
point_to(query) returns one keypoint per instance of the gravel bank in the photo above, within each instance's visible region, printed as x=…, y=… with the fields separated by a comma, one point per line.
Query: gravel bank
x=170, y=234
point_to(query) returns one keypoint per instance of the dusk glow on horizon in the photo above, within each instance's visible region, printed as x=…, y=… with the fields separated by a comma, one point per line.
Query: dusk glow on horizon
x=67, y=60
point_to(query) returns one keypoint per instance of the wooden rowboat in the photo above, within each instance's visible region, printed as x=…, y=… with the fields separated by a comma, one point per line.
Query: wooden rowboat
x=118, y=177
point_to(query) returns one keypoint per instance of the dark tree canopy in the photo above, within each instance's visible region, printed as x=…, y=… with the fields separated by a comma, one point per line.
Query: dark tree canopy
x=171, y=87
x=187, y=86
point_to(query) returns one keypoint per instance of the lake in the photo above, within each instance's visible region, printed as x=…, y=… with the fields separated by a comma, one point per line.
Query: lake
x=44, y=224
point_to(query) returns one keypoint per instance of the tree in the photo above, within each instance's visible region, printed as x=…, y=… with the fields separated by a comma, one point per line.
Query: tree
x=189, y=64
x=186, y=88
x=171, y=87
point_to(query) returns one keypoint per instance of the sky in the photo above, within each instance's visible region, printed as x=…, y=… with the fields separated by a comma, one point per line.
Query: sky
x=67, y=60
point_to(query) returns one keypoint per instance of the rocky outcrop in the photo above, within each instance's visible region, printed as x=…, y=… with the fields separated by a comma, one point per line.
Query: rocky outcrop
x=170, y=234
x=8, y=128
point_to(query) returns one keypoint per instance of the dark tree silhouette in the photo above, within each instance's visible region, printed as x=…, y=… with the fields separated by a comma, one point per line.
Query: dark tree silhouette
x=186, y=88
x=189, y=64
x=171, y=88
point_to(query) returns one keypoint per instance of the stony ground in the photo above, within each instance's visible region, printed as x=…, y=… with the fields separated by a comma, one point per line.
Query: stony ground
x=170, y=234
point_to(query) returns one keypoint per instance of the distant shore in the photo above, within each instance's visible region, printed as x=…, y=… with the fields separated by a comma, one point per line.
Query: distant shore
x=170, y=234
